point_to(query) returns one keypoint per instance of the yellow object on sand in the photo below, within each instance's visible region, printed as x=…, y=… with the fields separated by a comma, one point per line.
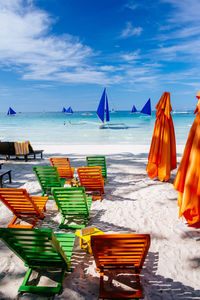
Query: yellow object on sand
x=85, y=240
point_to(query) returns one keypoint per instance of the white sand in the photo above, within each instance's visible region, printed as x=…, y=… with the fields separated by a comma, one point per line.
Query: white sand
x=131, y=203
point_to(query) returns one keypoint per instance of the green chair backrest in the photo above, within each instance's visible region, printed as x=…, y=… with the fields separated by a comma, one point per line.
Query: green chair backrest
x=95, y=161
x=39, y=247
x=48, y=177
x=71, y=200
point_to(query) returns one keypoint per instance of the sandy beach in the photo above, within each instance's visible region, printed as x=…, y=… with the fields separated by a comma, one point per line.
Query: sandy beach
x=132, y=203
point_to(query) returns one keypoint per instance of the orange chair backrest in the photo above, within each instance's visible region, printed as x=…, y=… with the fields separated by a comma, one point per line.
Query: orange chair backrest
x=63, y=166
x=91, y=178
x=114, y=250
x=19, y=202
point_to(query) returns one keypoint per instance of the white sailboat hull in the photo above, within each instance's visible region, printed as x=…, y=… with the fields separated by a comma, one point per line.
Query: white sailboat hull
x=113, y=126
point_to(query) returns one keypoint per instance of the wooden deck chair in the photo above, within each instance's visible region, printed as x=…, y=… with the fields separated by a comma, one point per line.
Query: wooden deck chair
x=91, y=179
x=95, y=161
x=64, y=168
x=23, y=206
x=120, y=252
x=48, y=177
x=73, y=204
x=42, y=251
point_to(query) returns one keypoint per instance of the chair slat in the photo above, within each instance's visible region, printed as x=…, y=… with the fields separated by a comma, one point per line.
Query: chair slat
x=63, y=166
x=43, y=244
x=91, y=179
x=94, y=161
x=22, y=204
x=72, y=202
x=120, y=251
x=48, y=177
x=46, y=250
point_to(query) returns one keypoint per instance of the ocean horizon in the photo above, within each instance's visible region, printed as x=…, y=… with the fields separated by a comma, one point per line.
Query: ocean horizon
x=83, y=127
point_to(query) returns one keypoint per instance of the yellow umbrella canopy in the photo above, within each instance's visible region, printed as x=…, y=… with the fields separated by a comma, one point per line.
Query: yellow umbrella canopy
x=162, y=154
x=187, y=181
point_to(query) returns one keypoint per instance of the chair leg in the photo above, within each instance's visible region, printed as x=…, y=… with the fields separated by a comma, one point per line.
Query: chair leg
x=85, y=221
x=136, y=294
x=101, y=289
x=13, y=221
x=26, y=278
x=41, y=290
x=62, y=222
x=12, y=224
x=9, y=175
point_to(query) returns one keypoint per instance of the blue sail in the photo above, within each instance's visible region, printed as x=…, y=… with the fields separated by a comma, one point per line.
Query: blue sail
x=134, y=109
x=64, y=110
x=11, y=111
x=107, y=110
x=147, y=108
x=69, y=110
x=101, y=107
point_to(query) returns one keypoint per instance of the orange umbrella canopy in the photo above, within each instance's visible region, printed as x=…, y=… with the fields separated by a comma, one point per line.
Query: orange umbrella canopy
x=187, y=181
x=198, y=95
x=162, y=155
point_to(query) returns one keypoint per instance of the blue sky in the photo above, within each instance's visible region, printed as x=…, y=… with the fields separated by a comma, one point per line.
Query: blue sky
x=59, y=53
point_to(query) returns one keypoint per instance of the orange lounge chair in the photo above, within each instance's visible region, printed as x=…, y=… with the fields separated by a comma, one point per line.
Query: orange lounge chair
x=64, y=168
x=23, y=205
x=91, y=179
x=122, y=253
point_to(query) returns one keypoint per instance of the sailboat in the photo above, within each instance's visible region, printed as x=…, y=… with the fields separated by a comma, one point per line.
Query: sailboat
x=64, y=110
x=147, y=108
x=11, y=111
x=67, y=111
x=134, y=110
x=103, y=114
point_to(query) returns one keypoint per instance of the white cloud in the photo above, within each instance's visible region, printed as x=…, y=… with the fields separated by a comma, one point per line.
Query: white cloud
x=131, y=56
x=108, y=68
x=185, y=11
x=77, y=75
x=187, y=51
x=131, y=5
x=180, y=39
x=28, y=46
x=183, y=20
x=131, y=31
x=137, y=71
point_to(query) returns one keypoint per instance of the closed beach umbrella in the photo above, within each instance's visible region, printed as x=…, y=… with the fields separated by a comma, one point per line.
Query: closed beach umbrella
x=162, y=155
x=187, y=181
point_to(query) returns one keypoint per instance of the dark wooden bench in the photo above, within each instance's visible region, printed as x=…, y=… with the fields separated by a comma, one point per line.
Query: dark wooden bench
x=34, y=153
x=8, y=149
x=2, y=173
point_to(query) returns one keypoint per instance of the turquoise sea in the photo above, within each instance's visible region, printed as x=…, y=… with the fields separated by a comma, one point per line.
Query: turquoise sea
x=83, y=128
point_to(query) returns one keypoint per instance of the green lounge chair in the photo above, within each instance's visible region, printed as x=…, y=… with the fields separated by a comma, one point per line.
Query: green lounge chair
x=73, y=204
x=48, y=177
x=98, y=161
x=42, y=251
